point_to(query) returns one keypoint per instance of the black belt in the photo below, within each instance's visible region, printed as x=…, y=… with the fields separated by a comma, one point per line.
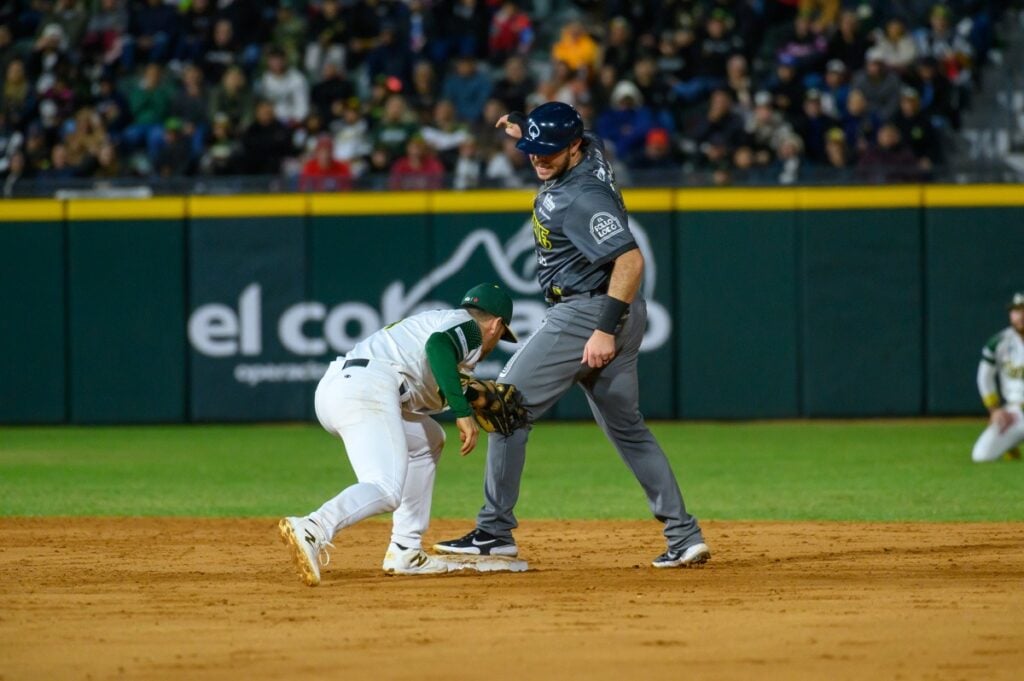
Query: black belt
x=365, y=362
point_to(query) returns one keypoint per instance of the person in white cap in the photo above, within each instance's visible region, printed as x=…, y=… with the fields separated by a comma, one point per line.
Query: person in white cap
x=1003, y=356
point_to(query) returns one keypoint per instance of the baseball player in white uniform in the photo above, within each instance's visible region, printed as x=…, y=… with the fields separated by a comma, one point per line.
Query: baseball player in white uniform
x=1003, y=356
x=378, y=399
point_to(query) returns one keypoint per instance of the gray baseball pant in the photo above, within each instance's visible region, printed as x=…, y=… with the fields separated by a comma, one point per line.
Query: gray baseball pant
x=544, y=369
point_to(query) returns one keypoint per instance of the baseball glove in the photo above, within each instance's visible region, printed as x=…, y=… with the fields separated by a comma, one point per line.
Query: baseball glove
x=497, y=407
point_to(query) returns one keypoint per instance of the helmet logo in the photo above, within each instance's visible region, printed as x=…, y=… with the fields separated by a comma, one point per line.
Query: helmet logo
x=533, y=130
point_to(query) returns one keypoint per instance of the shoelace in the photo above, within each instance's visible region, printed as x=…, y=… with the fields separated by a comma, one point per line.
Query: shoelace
x=322, y=555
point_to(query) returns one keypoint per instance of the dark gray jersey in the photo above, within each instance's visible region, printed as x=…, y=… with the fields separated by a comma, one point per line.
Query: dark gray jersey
x=580, y=226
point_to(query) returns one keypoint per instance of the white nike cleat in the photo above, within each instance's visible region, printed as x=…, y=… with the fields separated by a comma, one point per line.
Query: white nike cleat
x=308, y=545
x=402, y=561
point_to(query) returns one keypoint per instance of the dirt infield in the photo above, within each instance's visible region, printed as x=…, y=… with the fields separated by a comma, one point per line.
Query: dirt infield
x=217, y=599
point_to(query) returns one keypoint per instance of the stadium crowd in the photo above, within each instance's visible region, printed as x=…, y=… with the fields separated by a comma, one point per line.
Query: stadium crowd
x=403, y=94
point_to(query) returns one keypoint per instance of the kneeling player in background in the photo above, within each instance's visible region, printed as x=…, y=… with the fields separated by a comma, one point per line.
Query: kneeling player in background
x=1003, y=355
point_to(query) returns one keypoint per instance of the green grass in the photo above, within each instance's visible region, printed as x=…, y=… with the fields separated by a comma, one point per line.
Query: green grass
x=782, y=470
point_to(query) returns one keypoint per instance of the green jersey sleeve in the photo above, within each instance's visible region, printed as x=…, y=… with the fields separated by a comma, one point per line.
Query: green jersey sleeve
x=445, y=349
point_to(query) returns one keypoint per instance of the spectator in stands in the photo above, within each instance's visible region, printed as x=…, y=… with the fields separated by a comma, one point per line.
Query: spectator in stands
x=446, y=134
x=265, y=143
x=11, y=140
x=719, y=43
x=576, y=48
x=108, y=163
x=468, y=167
x=677, y=58
x=191, y=106
x=234, y=98
x=625, y=125
x=423, y=94
x=388, y=58
x=419, y=169
x=152, y=34
x=953, y=54
x=653, y=88
x=377, y=173
x=879, y=85
x=175, y=155
x=334, y=86
x=937, y=97
x=917, y=129
x=197, y=31
x=48, y=58
x=813, y=125
x=515, y=84
x=322, y=172
x=836, y=89
x=468, y=88
x=787, y=89
x=113, y=108
x=150, y=101
x=564, y=85
x=72, y=17
x=805, y=45
x=765, y=130
x=896, y=46
x=839, y=159
x=289, y=32
x=352, y=141
x=17, y=97
x=328, y=33
x=788, y=165
x=286, y=88
x=619, y=48
x=889, y=160
x=656, y=154
x=16, y=171
x=860, y=123
x=511, y=32
x=739, y=82
x=104, y=33
x=421, y=32
x=223, y=54
x=849, y=44
x=396, y=127
x=223, y=149
x=823, y=14
x=721, y=130
x=83, y=142
x=508, y=167
x=37, y=152
x=58, y=167
x=462, y=29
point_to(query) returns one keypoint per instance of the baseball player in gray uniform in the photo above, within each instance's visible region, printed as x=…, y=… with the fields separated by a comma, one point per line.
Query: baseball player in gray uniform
x=590, y=269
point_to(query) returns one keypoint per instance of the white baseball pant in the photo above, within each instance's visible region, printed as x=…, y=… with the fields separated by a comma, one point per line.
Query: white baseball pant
x=393, y=453
x=992, y=444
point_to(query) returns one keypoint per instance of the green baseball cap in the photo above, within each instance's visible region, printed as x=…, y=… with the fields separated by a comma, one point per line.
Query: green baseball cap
x=492, y=298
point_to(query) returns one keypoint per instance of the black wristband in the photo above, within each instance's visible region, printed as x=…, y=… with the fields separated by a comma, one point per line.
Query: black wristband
x=517, y=118
x=611, y=314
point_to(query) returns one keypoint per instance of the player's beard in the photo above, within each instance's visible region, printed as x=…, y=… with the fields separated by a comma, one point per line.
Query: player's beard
x=552, y=166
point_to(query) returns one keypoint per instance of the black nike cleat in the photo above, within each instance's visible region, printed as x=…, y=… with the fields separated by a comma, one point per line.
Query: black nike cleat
x=478, y=543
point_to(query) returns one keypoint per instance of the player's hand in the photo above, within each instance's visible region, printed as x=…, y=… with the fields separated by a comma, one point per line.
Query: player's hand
x=468, y=431
x=1003, y=419
x=511, y=129
x=599, y=350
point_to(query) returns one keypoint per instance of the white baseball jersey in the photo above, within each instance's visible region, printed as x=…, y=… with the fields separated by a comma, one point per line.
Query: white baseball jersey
x=1002, y=355
x=403, y=345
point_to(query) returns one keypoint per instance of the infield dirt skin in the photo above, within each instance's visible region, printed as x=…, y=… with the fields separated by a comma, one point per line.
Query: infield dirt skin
x=218, y=599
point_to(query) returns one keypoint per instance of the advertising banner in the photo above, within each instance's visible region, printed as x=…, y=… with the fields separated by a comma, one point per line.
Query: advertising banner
x=248, y=359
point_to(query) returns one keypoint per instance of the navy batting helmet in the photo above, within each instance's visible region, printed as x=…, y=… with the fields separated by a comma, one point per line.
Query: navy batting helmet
x=550, y=128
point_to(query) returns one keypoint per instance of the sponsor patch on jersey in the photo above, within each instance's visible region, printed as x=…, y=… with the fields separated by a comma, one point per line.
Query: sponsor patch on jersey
x=604, y=226
x=548, y=202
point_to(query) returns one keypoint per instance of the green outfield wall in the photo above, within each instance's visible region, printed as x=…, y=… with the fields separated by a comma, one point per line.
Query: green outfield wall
x=763, y=303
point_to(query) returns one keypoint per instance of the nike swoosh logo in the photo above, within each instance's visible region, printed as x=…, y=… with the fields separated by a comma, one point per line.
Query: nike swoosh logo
x=483, y=543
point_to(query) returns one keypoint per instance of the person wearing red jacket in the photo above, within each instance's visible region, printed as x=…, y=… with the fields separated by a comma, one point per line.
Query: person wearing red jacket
x=418, y=169
x=322, y=172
